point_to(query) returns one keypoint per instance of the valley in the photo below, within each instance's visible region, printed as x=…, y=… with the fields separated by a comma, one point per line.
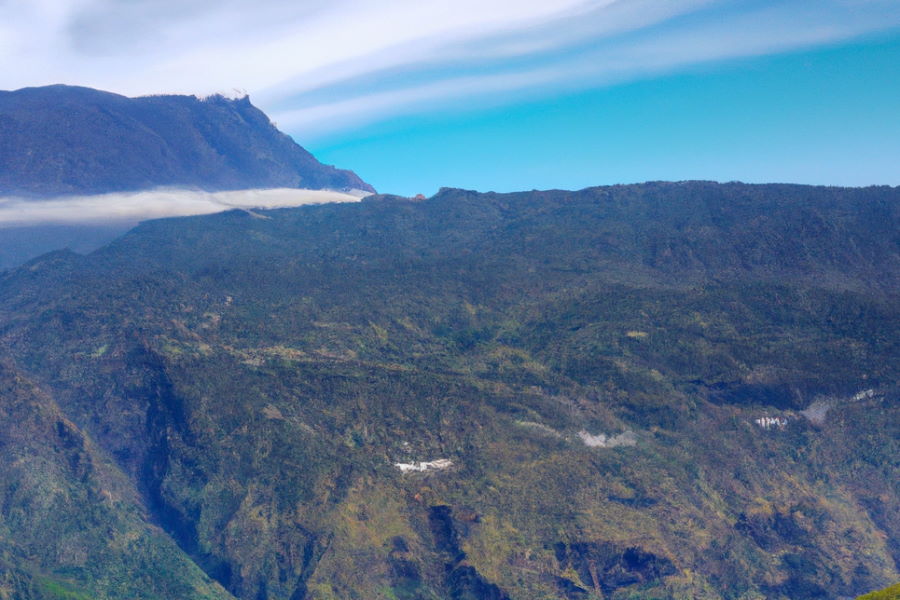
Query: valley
x=665, y=390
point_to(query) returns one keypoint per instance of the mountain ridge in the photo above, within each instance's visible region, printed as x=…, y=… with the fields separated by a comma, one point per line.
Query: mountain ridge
x=667, y=390
x=58, y=140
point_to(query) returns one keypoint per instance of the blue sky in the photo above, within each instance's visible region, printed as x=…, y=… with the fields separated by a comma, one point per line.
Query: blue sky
x=509, y=94
x=824, y=116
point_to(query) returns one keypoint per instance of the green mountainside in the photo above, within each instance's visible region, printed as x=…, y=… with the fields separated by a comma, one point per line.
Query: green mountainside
x=889, y=593
x=668, y=390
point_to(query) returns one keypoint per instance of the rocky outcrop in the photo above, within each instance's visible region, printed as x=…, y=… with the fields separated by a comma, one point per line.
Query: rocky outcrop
x=606, y=567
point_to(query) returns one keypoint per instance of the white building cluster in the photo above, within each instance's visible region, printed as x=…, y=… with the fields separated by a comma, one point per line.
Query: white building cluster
x=863, y=395
x=771, y=422
x=626, y=438
x=441, y=463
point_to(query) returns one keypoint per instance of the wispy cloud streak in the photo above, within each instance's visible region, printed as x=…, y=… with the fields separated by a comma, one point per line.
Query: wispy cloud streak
x=140, y=206
x=320, y=67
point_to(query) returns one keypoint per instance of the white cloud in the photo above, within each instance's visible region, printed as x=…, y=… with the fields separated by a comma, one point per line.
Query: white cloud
x=139, y=206
x=200, y=46
x=765, y=31
x=320, y=66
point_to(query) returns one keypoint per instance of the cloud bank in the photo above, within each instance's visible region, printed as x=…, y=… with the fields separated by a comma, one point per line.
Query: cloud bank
x=139, y=206
x=323, y=67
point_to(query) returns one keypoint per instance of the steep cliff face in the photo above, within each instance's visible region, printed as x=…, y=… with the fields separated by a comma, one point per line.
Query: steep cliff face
x=666, y=390
x=69, y=515
x=70, y=140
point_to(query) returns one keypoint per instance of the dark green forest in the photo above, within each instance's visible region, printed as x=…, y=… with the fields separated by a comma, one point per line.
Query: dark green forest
x=667, y=390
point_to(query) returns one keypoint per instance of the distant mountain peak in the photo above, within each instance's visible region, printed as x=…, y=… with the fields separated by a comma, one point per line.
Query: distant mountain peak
x=63, y=139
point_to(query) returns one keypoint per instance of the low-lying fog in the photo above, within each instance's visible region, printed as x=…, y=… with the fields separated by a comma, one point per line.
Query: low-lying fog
x=139, y=206
x=29, y=227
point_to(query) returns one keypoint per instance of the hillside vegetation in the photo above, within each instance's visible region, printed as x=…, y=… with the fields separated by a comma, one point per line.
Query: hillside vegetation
x=670, y=390
x=889, y=593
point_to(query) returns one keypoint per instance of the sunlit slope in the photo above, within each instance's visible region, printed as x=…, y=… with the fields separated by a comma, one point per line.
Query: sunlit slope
x=667, y=390
x=889, y=593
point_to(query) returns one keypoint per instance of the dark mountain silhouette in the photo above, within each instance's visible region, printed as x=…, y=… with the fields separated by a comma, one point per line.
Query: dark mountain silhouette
x=73, y=140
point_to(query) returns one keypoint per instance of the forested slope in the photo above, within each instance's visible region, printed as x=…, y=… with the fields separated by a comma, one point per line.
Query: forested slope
x=653, y=391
